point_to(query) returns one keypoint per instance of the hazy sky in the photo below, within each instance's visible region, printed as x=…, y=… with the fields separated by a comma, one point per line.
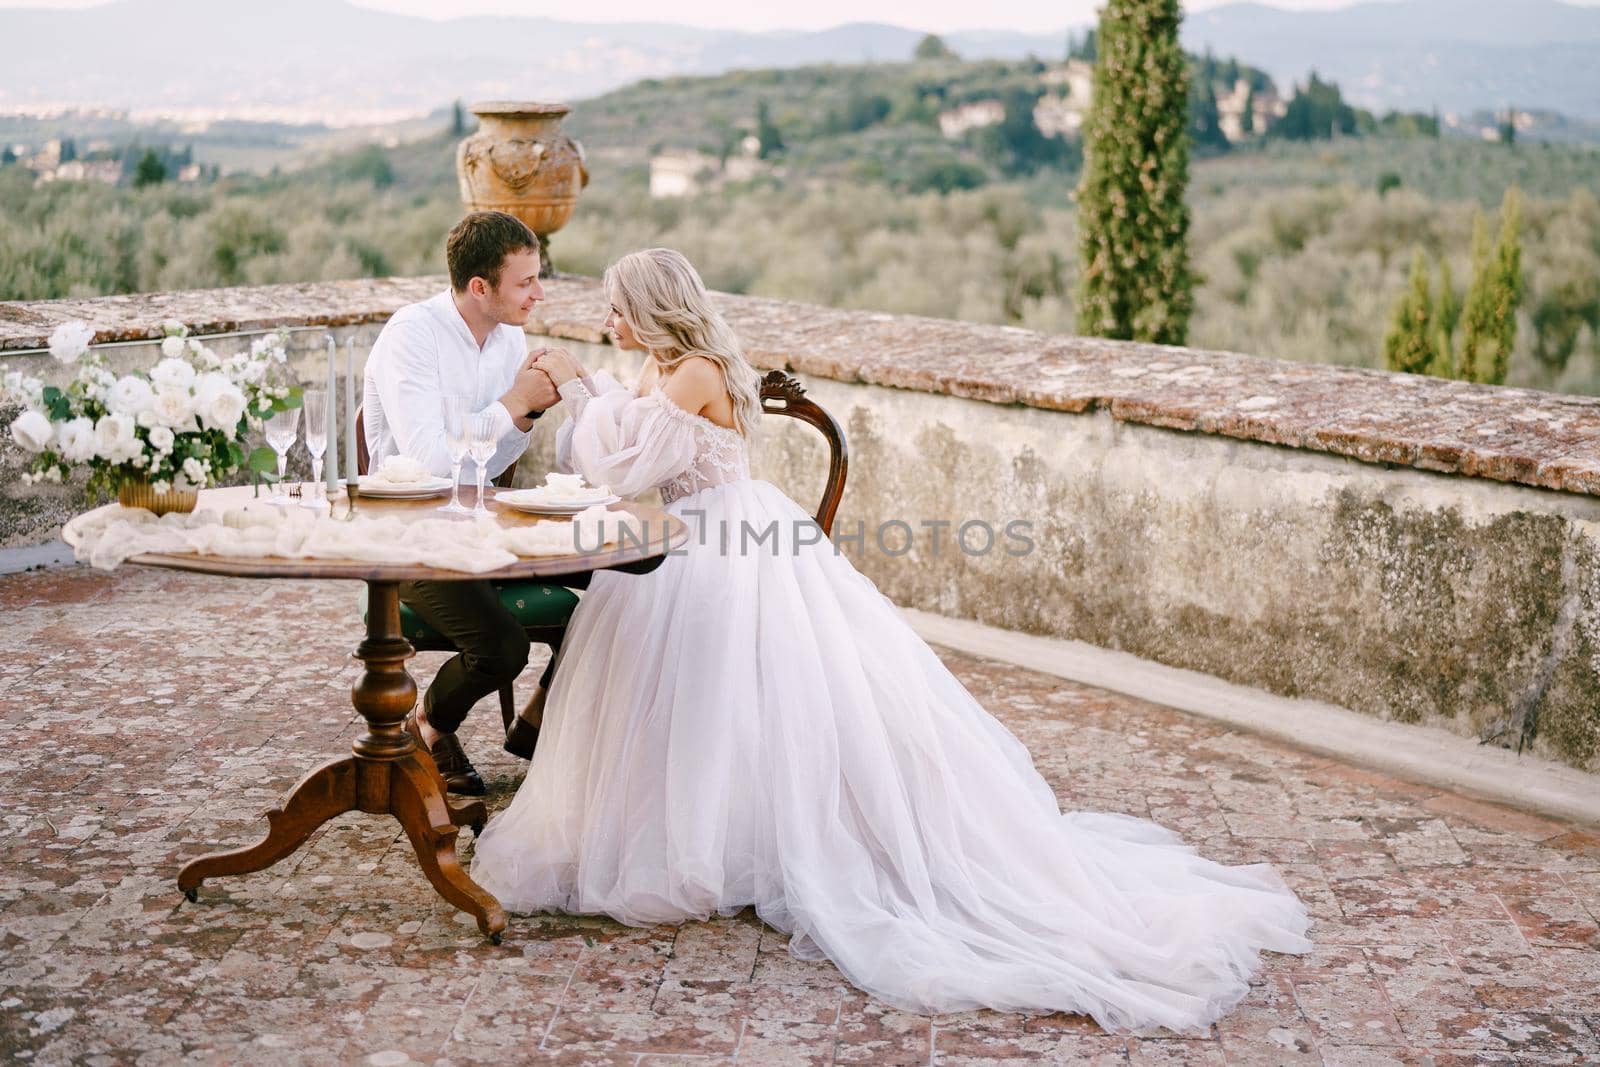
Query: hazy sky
x=939, y=15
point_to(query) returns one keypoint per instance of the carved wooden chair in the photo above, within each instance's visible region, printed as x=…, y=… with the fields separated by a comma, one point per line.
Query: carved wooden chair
x=782, y=394
x=542, y=608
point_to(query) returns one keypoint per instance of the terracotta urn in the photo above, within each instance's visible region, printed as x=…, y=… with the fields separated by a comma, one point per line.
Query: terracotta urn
x=521, y=163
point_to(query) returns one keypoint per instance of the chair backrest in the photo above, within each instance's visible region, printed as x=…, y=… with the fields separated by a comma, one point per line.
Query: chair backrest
x=364, y=458
x=782, y=394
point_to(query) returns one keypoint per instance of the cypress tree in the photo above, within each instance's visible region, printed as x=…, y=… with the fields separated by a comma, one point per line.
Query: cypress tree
x=1408, y=345
x=1446, y=312
x=1136, y=282
x=1508, y=283
x=1477, y=316
x=1489, y=330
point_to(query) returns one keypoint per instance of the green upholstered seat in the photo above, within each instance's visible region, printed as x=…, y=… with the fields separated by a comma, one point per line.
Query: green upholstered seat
x=533, y=603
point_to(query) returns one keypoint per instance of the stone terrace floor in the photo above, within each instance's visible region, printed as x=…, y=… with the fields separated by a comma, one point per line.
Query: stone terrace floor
x=151, y=716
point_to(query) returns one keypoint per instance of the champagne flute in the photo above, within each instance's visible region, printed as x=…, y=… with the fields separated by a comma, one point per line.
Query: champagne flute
x=455, y=443
x=481, y=442
x=281, y=430
x=316, y=404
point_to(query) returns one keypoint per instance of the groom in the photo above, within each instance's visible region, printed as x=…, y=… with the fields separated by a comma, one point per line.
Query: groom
x=465, y=342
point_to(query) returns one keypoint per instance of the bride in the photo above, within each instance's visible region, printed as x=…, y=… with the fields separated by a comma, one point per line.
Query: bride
x=749, y=726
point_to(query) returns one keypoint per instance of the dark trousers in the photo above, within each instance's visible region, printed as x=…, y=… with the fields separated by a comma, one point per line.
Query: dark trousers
x=494, y=648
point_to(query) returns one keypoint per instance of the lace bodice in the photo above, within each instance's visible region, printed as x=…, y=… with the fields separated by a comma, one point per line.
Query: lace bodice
x=633, y=443
x=721, y=455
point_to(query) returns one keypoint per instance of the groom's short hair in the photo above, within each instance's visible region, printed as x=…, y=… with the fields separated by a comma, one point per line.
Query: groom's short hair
x=480, y=243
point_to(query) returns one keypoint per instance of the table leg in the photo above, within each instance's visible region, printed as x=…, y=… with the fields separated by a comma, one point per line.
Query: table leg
x=386, y=774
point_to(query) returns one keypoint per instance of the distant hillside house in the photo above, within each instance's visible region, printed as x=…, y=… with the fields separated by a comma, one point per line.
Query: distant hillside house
x=77, y=170
x=678, y=174
x=973, y=116
x=1078, y=76
x=1059, y=117
x=674, y=174
x=1268, y=108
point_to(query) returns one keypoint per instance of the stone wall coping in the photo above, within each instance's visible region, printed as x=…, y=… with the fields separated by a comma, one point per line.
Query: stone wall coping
x=1523, y=436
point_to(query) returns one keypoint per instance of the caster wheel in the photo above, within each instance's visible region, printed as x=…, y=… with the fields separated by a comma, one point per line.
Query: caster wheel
x=495, y=939
x=191, y=895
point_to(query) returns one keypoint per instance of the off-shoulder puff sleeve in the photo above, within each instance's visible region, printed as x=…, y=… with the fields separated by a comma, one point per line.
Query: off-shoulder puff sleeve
x=630, y=443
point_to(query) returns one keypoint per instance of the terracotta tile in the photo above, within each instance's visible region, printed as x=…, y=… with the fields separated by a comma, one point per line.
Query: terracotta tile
x=641, y=1032
x=504, y=1011
x=980, y=1045
x=1347, y=1010
x=1493, y=816
x=870, y=1032
x=1500, y=1031
x=1150, y=1052
x=783, y=1044
x=1268, y=1027
x=1553, y=922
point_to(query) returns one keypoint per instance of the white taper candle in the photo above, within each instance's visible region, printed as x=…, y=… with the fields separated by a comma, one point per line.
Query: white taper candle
x=332, y=464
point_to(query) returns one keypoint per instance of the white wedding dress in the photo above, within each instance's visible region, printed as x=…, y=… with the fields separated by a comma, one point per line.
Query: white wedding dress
x=749, y=726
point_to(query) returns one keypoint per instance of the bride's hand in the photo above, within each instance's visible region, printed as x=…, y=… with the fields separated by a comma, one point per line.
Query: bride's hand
x=559, y=364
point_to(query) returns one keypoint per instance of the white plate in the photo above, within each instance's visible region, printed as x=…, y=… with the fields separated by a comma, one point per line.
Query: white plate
x=534, y=503
x=379, y=487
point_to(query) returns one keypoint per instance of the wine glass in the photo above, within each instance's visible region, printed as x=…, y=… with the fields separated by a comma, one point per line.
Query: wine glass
x=481, y=442
x=455, y=443
x=281, y=430
x=316, y=404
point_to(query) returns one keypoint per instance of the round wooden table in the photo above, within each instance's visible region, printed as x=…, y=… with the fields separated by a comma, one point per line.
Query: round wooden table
x=386, y=773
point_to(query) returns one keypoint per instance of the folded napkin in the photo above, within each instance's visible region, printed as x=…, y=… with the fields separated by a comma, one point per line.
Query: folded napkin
x=402, y=470
x=109, y=536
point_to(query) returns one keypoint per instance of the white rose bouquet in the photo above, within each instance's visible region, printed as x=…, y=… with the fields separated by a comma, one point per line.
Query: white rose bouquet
x=180, y=426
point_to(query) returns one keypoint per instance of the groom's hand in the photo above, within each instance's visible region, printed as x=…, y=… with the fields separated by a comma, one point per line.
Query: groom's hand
x=531, y=393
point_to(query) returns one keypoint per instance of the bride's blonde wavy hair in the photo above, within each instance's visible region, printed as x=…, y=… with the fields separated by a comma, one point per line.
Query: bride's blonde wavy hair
x=661, y=296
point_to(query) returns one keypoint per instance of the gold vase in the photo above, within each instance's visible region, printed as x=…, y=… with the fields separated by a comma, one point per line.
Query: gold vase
x=141, y=494
x=521, y=163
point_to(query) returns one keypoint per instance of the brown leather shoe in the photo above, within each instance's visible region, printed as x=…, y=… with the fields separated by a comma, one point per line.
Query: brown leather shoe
x=460, y=776
x=522, y=735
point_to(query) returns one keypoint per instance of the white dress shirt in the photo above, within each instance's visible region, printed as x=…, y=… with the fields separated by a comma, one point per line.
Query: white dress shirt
x=425, y=353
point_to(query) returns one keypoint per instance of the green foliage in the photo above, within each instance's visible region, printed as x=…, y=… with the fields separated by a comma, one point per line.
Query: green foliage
x=370, y=164
x=1317, y=111
x=1408, y=347
x=1205, y=123
x=932, y=47
x=771, y=140
x=1446, y=313
x=1489, y=319
x=1388, y=180
x=1136, y=281
x=150, y=171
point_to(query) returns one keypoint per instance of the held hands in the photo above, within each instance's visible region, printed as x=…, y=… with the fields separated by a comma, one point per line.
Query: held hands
x=531, y=392
x=558, y=363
